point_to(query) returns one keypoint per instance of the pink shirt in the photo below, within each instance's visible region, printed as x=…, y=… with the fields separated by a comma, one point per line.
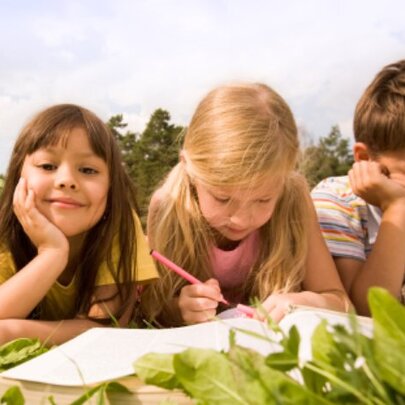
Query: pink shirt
x=231, y=268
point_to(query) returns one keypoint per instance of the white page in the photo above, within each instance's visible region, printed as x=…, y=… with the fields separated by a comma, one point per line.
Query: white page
x=103, y=354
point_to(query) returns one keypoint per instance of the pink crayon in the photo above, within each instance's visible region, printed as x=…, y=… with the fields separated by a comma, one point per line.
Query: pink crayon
x=248, y=311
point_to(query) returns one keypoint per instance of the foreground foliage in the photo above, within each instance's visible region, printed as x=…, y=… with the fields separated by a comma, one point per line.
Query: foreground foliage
x=347, y=367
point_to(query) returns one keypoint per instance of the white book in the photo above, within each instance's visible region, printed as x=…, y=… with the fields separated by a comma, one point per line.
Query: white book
x=103, y=354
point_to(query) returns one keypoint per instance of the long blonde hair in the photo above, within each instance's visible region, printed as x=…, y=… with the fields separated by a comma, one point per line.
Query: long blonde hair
x=240, y=135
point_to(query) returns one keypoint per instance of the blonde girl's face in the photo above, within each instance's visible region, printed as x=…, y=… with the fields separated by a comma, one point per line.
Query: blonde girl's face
x=70, y=183
x=235, y=212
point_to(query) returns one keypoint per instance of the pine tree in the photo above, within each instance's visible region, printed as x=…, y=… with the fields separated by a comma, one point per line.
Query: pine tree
x=331, y=157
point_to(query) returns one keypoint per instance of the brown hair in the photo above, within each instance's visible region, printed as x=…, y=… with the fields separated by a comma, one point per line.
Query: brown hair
x=48, y=127
x=379, y=119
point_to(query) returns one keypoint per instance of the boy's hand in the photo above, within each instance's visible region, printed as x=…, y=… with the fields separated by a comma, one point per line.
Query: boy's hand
x=43, y=233
x=198, y=302
x=370, y=183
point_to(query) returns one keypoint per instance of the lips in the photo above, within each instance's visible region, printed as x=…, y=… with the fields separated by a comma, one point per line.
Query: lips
x=235, y=230
x=65, y=202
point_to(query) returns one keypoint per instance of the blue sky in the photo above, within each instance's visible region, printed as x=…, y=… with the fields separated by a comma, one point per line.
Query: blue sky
x=133, y=56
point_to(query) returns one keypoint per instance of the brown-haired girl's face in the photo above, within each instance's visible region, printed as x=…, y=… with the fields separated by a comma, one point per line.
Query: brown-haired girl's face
x=70, y=183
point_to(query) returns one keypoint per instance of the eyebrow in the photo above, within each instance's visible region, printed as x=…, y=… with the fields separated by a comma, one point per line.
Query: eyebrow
x=54, y=150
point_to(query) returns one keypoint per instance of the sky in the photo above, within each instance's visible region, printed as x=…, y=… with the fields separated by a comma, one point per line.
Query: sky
x=131, y=57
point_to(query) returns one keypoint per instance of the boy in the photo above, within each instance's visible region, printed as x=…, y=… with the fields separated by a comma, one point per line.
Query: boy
x=362, y=215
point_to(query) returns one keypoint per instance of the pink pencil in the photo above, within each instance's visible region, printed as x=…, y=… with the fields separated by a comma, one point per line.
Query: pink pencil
x=191, y=279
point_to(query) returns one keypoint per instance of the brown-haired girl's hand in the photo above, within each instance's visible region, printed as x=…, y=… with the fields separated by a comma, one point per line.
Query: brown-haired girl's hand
x=198, y=302
x=43, y=233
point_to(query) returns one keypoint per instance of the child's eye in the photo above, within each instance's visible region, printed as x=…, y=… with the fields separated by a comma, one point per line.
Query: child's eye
x=47, y=166
x=264, y=201
x=88, y=170
x=222, y=200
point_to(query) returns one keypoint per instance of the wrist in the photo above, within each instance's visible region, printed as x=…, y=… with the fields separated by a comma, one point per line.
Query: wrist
x=396, y=211
x=59, y=255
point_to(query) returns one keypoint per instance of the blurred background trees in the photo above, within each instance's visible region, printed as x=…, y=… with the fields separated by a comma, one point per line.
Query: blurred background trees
x=330, y=156
x=149, y=155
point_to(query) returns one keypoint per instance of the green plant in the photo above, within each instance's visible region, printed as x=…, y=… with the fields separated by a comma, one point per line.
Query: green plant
x=346, y=367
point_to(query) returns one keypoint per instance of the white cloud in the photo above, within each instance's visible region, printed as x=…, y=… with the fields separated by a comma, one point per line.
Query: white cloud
x=132, y=57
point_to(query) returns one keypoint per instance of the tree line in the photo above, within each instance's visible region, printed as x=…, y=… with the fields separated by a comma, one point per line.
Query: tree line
x=149, y=155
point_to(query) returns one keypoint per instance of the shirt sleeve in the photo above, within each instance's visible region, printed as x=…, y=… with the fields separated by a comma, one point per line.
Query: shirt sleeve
x=341, y=219
x=145, y=267
x=7, y=267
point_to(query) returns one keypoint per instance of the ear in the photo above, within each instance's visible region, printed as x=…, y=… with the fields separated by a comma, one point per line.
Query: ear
x=361, y=152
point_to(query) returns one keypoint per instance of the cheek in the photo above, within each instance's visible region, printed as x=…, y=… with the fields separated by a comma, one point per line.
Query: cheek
x=263, y=215
x=211, y=212
x=99, y=197
x=36, y=183
x=398, y=178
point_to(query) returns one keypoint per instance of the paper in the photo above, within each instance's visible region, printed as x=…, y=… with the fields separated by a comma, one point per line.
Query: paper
x=103, y=354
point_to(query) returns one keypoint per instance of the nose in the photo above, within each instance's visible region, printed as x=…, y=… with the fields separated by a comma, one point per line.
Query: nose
x=241, y=217
x=65, y=179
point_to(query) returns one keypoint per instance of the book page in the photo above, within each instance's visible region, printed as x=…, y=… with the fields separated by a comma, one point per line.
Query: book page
x=102, y=354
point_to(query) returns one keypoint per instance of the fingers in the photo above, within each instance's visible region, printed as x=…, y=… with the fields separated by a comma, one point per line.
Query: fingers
x=42, y=233
x=24, y=203
x=276, y=306
x=365, y=175
x=199, y=302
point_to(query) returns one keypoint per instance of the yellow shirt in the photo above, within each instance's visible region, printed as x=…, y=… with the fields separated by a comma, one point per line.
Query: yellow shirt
x=59, y=300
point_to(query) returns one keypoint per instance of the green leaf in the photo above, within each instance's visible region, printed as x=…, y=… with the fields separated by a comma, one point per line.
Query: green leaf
x=283, y=361
x=13, y=396
x=157, y=369
x=18, y=351
x=286, y=391
x=389, y=337
x=207, y=376
x=101, y=390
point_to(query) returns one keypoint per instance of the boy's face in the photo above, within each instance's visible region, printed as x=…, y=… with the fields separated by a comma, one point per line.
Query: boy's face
x=393, y=164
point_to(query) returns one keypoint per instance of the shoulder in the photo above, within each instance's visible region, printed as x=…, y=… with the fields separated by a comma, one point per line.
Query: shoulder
x=157, y=198
x=336, y=192
x=342, y=217
x=334, y=186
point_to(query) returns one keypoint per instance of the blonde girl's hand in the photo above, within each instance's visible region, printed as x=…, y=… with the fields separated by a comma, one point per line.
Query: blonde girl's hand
x=43, y=234
x=277, y=306
x=198, y=302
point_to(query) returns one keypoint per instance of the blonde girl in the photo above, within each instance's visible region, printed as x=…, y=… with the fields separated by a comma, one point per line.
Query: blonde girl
x=236, y=214
x=71, y=246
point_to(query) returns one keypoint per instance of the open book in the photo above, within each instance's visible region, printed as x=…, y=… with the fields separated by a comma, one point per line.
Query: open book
x=102, y=354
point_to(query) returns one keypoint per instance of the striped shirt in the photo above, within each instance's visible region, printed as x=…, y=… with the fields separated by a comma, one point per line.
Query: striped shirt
x=349, y=225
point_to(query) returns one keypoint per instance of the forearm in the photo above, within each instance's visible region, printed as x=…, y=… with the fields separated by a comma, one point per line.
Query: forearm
x=21, y=293
x=48, y=332
x=336, y=300
x=385, y=265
